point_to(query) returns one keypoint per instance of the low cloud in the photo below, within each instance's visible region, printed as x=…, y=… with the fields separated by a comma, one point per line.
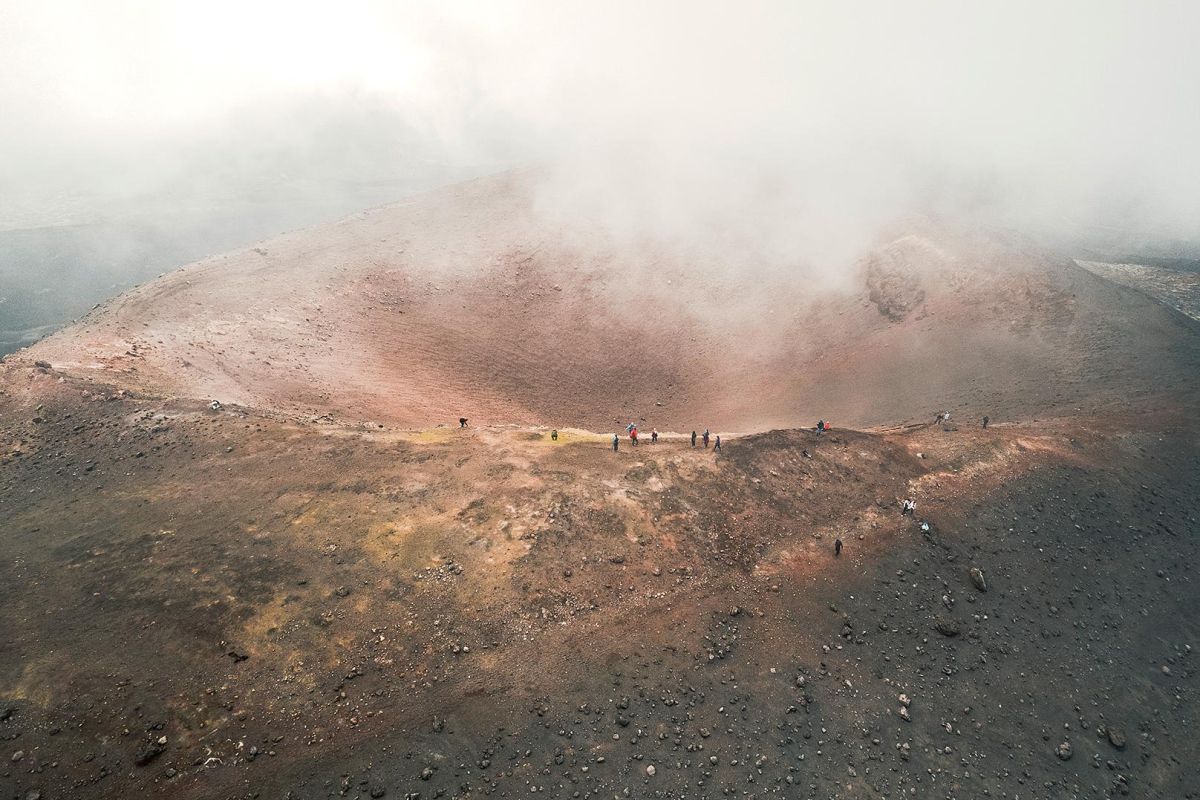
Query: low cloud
x=800, y=129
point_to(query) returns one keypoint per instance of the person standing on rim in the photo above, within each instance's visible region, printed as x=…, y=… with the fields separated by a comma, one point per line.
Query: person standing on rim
x=693, y=438
x=616, y=442
x=717, y=445
x=705, y=437
x=837, y=548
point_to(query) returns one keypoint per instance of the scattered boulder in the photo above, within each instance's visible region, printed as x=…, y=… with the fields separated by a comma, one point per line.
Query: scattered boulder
x=42, y=364
x=1064, y=751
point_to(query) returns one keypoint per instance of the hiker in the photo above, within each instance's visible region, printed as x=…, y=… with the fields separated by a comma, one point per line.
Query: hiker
x=633, y=436
x=985, y=421
x=837, y=548
x=693, y=438
x=554, y=435
x=629, y=428
x=462, y=422
x=653, y=435
x=717, y=446
x=705, y=437
x=616, y=442
x=820, y=426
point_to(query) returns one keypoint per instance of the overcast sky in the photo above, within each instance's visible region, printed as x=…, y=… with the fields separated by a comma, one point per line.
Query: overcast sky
x=665, y=114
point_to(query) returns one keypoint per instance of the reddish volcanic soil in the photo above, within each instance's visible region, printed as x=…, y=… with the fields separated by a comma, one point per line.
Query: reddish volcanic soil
x=322, y=590
x=467, y=303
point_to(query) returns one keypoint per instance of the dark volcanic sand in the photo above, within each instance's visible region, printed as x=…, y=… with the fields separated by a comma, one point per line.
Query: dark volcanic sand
x=325, y=610
x=313, y=592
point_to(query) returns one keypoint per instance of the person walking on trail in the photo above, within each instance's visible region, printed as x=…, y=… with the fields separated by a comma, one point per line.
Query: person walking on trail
x=653, y=435
x=462, y=422
x=985, y=421
x=616, y=442
x=693, y=438
x=717, y=446
x=705, y=437
x=633, y=436
x=837, y=548
x=554, y=435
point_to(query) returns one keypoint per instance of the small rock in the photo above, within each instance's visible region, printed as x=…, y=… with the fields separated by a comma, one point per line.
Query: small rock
x=977, y=578
x=1116, y=737
x=947, y=627
x=650, y=770
x=148, y=753
x=1064, y=751
x=17, y=756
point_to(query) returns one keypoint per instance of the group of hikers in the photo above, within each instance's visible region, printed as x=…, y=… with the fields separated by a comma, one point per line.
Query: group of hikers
x=943, y=418
x=632, y=430
x=908, y=506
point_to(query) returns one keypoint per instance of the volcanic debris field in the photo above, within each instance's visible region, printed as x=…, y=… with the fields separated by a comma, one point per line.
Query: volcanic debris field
x=303, y=591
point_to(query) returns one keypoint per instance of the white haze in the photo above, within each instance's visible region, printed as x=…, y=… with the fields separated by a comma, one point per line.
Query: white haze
x=796, y=129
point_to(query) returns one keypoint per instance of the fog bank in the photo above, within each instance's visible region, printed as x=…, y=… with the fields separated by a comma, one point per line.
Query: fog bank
x=799, y=127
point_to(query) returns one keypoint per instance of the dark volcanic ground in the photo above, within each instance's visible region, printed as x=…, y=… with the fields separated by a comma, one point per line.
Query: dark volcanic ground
x=212, y=604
